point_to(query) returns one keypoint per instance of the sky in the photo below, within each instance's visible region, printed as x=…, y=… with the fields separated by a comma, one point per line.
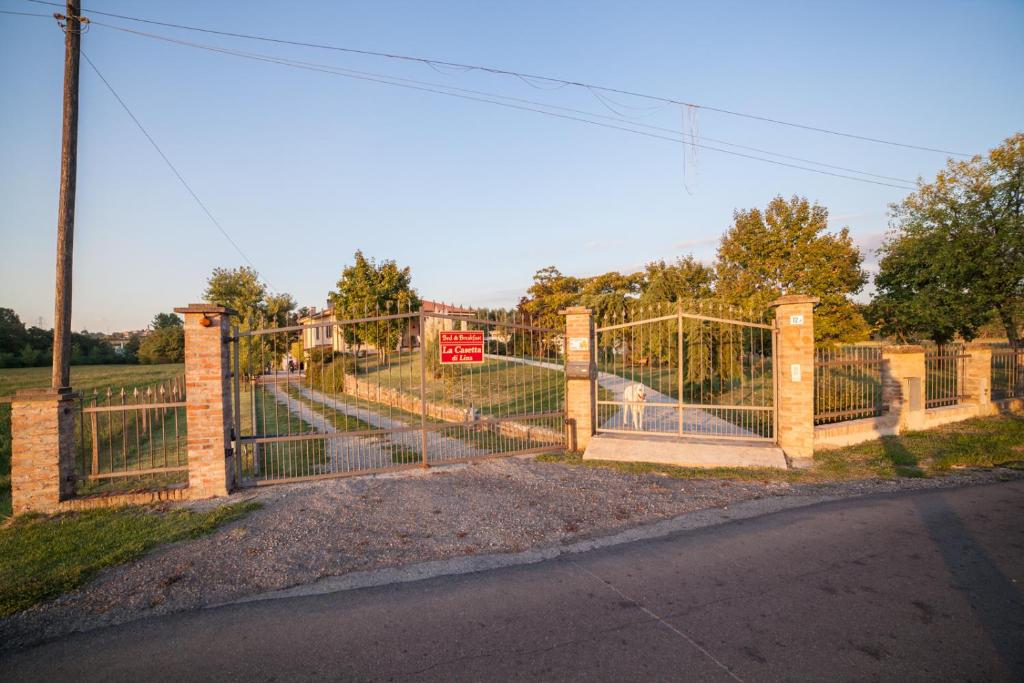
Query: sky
x=302, y=168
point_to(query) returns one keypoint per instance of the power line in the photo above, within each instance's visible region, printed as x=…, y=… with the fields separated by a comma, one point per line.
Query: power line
x=170, y=165
x=522, y=76
x=26, y=14
x=484, y=97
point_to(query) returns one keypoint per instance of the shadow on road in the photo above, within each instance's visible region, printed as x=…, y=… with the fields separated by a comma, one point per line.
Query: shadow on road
x=995, y=599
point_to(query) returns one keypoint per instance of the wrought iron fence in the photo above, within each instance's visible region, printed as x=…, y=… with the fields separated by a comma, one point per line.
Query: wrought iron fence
x=685, y=369
x=847, y=383
x=339, y=397
x=945, y=375
x=1007, y=372
x=132, y=438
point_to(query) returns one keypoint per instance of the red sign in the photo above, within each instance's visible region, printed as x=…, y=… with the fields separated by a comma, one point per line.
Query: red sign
x=461, y=347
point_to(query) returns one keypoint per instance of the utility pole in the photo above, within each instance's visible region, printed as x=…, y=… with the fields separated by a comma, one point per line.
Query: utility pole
x=61, y=378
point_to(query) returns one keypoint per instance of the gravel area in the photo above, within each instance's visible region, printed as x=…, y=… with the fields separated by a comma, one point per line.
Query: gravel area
x=333, y=527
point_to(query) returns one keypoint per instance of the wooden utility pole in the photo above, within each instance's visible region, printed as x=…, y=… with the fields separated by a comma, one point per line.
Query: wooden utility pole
x=61, y=378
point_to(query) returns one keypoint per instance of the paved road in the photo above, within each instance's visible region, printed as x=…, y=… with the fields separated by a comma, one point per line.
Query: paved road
x=919, y=586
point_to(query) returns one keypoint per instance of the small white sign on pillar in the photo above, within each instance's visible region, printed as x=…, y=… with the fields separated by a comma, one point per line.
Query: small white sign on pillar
x=579, y=343
x=796, y=320
x=794, y=370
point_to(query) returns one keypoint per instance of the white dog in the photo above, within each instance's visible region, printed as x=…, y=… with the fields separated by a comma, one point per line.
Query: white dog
x=634, y=397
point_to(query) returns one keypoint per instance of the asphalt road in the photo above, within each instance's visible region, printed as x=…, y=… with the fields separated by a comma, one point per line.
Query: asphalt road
x=915, y=586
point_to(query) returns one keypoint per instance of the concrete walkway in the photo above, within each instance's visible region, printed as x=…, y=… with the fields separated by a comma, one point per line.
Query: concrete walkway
x=695, y=422
x=344, y=453
x=439, y=446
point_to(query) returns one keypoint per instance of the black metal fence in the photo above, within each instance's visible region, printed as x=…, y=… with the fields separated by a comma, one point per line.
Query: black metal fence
x=847, y=383
x=945, y=375
x=1007, y=372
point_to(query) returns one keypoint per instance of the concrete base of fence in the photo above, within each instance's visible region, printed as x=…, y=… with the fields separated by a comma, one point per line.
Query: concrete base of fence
x=669, y=450
x=853, y=432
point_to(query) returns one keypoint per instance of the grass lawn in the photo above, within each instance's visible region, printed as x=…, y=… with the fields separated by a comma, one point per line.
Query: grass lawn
x=495, y=387
x=41, y=557
x=84, y=378
x=979, y=442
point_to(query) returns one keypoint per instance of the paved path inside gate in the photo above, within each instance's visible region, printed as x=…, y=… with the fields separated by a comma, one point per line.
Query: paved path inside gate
x=695, y=422
x=908, y=587
x=344, y=453
x=439, y=446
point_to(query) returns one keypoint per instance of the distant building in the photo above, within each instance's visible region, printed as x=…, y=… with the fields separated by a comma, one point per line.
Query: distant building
x=323, y=332
x=119, y=340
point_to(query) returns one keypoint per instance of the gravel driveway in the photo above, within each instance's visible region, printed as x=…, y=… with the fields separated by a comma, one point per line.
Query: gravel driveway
x=333, y=527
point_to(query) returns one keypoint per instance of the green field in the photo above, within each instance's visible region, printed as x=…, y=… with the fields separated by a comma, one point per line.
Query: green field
x=495, y=387
x=84, y=378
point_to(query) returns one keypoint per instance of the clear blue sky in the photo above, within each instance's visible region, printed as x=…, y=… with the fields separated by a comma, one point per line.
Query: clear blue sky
x=304, y=168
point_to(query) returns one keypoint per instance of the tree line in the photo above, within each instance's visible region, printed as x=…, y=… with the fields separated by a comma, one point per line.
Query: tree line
x=26, y=347
x=952, y=263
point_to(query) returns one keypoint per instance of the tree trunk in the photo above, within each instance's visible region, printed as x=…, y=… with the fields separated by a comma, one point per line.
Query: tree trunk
x=1010, y=323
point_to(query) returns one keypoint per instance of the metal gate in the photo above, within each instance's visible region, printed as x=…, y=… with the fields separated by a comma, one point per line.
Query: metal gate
x=332, y=398
x=670, y=370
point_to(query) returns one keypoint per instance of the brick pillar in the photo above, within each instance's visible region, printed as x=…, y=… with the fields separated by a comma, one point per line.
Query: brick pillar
x=903, y=384
x=581, y=375
x=42, y=449
x=978, y=378
x=794, y=320
x=208, y=400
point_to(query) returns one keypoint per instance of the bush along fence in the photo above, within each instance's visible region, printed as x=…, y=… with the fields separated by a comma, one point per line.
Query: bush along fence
x=535, y=389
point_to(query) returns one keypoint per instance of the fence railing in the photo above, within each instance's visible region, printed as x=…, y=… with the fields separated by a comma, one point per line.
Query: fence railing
x=374, y=395
x=132, y=437
x=664, y=369
x=945, y=375
x=847, y=383
x=1007, y=373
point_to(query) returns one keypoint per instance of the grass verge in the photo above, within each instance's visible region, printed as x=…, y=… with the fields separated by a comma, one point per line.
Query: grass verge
x=41, y=557
x=979, y=442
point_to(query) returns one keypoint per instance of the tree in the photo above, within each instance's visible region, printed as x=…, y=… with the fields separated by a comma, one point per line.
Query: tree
x=12, y=332
x=786, y=249
x=367, y=288
x=956, y=251
x=241, y=290
x=686, y=279
x=163, y=345
x=162, y=320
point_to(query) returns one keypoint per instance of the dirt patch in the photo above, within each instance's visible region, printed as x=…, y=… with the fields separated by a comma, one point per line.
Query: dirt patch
x=309, y=531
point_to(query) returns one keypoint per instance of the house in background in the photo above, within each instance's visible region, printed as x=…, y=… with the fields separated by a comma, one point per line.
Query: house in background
x=323, y=332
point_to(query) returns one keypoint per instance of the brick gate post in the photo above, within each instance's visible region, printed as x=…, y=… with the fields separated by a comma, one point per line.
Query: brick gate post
x=794, y=400
x=977, y=387
x=42, y=449
x=208, y=400
x=581, y=376
x=903, y=378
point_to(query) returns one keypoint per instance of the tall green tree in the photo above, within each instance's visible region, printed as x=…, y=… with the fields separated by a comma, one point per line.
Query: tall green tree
x=12, y=332
x=162, y=320
x=241, y=290
x=163, y=345
x=368, y=288
x=956, y=251
x=787, y=249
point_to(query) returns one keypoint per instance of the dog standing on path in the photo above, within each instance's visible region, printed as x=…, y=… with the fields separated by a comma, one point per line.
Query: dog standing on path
x=634, y=396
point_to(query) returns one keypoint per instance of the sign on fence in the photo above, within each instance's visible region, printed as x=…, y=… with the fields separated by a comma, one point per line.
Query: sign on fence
x=461, y=347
